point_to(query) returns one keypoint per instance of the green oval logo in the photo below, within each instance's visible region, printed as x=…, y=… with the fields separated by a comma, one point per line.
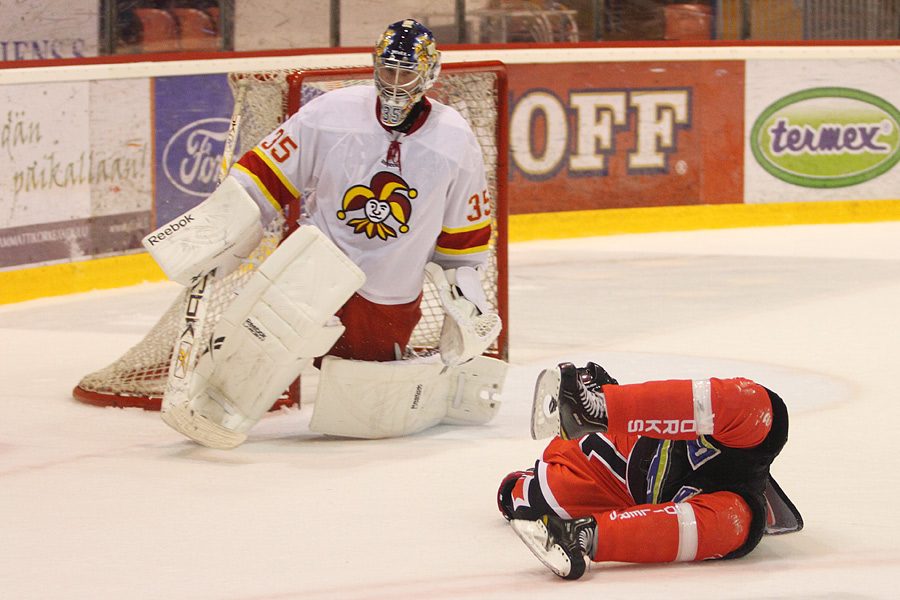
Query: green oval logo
x=827, y=137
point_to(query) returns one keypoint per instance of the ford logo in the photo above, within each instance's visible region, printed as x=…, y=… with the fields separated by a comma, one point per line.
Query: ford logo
x=827, y=137
x=192, y=157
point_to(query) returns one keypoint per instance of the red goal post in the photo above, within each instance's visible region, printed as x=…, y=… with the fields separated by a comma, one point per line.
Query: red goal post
x=478, y=90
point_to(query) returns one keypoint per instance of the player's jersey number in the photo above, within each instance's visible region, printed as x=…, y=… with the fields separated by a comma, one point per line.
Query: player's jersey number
x=280, y=147
x=479, y=206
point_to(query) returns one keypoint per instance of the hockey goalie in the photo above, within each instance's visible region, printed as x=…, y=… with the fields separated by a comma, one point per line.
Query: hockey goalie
x=395, y=191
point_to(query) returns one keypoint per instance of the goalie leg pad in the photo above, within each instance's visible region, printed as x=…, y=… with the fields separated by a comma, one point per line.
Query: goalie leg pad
x=218, y=234
x=371, y=400
x=280, y=321
x=475, y=386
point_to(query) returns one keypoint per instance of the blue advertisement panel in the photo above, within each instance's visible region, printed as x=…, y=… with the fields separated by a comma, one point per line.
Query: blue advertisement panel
x=192, y=115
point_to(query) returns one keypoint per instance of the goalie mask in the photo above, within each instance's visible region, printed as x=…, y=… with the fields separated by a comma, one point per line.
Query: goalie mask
x=407, y=62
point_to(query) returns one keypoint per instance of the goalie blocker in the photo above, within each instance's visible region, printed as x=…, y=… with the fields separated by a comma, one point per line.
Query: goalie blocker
x=216, y=235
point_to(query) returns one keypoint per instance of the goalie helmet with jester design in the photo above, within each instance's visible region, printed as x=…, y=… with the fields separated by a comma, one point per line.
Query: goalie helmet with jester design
x=407, y=62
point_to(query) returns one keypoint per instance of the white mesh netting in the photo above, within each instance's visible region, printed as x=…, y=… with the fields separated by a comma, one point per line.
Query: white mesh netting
x=138, y=377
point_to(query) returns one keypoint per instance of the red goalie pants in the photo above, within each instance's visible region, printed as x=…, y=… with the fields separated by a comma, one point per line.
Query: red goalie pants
x=373, y=329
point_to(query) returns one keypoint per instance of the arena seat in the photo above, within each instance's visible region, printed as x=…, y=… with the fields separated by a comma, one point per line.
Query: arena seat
x=688, y=22
x=213, y=12
x=159, y=30
x=198, y=30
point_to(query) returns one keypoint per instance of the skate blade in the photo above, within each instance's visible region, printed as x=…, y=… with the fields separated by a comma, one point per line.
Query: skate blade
x=535, y=536
x=545, y=406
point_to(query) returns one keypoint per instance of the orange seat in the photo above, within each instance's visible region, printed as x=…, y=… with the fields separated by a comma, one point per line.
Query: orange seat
x=213, y=12
x=688, y=22
x=159, y=30
x=198, y=30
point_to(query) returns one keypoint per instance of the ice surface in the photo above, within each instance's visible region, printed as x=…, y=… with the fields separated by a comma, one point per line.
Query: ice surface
x=111, y=504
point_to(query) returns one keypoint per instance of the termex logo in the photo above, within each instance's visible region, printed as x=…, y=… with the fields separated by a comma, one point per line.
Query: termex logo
x=827, y=137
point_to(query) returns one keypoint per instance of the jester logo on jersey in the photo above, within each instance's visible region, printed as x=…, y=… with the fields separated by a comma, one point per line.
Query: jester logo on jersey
x=382, y=199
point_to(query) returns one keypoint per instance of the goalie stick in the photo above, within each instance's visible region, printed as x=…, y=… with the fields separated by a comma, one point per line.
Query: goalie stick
x=231, y=141
x=184, y=354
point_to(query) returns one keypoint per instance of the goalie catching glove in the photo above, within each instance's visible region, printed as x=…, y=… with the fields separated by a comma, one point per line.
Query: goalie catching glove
x=469, y=327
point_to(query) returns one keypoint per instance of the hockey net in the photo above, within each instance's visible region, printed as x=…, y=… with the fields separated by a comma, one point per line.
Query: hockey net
x=477, y=90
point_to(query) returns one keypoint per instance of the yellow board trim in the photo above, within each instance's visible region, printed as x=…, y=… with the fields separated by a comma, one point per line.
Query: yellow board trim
x=615, y=221
x=123, y=271
x=74, y=277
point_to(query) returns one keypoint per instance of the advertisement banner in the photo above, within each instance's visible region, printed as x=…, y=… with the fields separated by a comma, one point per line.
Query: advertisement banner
x=44, y=145
x=822, y=130
x=193, y=114
x=47, y=29
x=619, y=135
x=72, y=186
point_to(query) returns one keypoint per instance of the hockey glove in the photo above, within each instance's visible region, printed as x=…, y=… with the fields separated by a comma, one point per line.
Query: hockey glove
x=469, y=328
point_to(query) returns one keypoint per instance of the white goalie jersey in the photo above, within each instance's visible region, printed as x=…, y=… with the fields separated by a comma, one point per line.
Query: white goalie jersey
x=391, y=202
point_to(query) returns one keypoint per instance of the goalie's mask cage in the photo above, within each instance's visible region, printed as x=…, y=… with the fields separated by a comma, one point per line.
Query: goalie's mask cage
x=407, y=63
x=477, y=90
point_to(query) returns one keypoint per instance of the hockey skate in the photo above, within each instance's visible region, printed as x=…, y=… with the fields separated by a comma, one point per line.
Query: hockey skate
x=569, y=401
x=564, y=546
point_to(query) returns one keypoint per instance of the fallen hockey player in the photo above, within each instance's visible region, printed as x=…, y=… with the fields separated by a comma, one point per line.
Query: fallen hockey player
x=653, y=472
